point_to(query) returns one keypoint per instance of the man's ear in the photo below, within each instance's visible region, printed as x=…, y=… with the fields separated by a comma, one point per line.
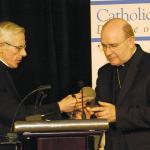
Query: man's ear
x=131, y=41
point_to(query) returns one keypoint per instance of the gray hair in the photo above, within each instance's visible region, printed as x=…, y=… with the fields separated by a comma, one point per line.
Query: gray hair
x=10, y=27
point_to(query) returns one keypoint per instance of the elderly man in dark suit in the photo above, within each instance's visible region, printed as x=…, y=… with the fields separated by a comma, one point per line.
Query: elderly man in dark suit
x=123, y=88
x=12, y=51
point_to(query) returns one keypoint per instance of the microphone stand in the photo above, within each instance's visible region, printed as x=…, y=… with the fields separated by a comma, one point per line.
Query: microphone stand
x=83, y=113
x=81, y=85
x=12, y=137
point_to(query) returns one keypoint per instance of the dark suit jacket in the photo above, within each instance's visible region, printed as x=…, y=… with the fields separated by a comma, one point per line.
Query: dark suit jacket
x=132, y=128
x=9, y=101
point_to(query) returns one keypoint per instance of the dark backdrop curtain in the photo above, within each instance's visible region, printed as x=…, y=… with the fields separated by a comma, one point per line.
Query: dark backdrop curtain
x=58, y=44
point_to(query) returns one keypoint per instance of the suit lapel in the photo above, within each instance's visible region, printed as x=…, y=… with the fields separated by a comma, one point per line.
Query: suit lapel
x=131, y=74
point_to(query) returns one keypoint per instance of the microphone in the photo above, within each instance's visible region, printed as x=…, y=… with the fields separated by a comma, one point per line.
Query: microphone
x=42, y=99
x=39, y=99
x=39, y=89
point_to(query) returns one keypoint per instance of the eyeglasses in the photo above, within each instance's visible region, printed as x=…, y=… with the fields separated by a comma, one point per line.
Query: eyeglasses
x=17, y=47
x=113, y=46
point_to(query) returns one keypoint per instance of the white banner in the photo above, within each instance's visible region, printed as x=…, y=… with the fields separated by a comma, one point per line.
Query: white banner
x=136, y=12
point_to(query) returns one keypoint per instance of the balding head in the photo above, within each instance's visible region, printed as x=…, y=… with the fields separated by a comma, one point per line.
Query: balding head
x=119, y=24
x=117, y=38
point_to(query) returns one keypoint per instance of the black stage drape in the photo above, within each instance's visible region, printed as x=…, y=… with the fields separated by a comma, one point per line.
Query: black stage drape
x=58, y=44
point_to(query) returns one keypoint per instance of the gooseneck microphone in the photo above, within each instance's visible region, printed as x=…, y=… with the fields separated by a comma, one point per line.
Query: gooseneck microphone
x=12, y=137
x=39, y=89
x=39, y=99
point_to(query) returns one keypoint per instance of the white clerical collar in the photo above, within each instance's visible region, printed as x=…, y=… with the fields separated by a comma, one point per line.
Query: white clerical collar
x=123, y=65
x=4, y=62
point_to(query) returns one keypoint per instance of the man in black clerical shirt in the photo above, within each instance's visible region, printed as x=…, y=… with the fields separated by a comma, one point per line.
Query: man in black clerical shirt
x=123, y=88
x=12, y=51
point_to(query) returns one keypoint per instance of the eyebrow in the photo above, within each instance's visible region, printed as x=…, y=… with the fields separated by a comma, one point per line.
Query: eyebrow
x=109, y=44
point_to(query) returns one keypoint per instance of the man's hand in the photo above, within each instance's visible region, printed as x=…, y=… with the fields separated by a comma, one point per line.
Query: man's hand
x=67, y=104
x=105, y=111
x=73, y=102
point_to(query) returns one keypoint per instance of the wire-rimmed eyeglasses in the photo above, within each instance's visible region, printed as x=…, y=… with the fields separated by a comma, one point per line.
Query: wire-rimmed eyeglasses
x=17, y=47
x=112, y=46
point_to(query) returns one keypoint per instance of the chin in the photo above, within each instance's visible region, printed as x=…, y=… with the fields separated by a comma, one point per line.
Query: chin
x=115, y=64
x=14, y=66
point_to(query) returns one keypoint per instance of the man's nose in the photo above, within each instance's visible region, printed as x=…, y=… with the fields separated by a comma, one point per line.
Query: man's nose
x=23, y=52
x=107, y=50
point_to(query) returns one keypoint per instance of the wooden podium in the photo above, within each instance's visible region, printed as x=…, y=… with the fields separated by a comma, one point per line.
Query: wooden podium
x=62, y=143
x=62, y=134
